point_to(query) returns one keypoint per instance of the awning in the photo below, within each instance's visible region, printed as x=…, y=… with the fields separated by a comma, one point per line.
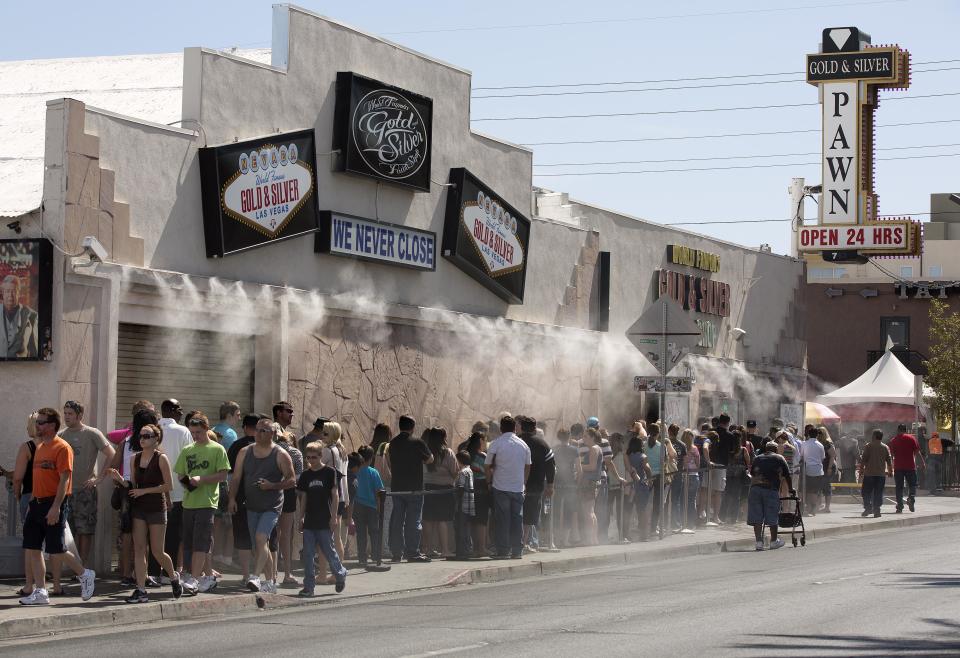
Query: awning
x=876, y=412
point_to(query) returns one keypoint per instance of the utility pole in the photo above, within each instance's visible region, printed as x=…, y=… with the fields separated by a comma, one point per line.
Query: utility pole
x=796, y=212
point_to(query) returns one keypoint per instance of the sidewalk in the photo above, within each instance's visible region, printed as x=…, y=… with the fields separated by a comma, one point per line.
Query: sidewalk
x=108, y=609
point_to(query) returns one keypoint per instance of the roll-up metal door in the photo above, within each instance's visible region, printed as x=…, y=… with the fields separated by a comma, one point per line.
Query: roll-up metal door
x=201, y=369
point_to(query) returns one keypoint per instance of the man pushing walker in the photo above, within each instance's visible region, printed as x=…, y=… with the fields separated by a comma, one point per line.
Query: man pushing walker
x=763, y=502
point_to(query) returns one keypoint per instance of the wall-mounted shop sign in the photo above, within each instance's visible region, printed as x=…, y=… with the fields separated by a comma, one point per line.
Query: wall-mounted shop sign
x=383, y=131
x=486, y=237
x=26, y=290
x=888, y=237
x=258, y=191
x=695, y=293
x=367, y=239
x=702, y=260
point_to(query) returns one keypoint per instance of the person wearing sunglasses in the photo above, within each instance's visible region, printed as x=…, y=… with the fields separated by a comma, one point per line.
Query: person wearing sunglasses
x=46, y=515
x=319, y=497
x=265, y=471
x=149, y=486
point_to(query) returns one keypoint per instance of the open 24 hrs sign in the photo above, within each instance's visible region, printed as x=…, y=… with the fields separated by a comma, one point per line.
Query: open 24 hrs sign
x=880, y=236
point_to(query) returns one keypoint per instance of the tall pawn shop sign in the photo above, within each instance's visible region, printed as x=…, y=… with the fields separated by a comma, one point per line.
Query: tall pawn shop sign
x=850, y=73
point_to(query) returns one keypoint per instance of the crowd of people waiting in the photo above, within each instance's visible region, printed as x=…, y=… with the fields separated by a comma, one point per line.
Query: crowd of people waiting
x=189, y=494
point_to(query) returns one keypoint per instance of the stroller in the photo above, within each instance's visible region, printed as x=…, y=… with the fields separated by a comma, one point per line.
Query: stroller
x=791, y=516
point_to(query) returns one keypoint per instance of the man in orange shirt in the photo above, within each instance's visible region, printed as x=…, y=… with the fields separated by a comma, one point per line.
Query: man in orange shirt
x=43, y=527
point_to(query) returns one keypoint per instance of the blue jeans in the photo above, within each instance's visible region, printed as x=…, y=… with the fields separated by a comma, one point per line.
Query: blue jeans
x=872, y=491
x=693, y=485
x=508, y=512
x=676, y=500
x=911, y=478
x=323, y=539
x=934, y=469
x=406, y=525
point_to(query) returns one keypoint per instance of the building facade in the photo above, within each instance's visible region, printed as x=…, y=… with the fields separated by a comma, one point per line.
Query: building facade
x=530, y=316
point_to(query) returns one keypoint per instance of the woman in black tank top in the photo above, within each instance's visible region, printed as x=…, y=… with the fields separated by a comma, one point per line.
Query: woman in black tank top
x=149, y=486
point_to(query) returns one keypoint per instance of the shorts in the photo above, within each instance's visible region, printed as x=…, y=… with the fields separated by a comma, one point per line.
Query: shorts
x=83, y=511
x=197, y=533
x=289, y=501
x=241, y=531
x=814, y=484
x=37, y=533
x=719, y=479
x=763, y=506
x=224, y=490
x=150, y=518
x=262, y=523
x=531, y=508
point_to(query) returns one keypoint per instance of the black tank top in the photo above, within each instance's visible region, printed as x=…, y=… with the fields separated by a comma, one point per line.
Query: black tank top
x=28, y=476
x=149, y=476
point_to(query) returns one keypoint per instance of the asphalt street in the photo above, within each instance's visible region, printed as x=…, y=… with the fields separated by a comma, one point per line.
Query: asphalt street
x=877, y=594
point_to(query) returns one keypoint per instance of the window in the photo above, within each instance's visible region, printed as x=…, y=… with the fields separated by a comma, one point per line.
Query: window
x=906, y=271
x=839, y=272
x=897, y=330
x=821, y=273
x=936, y=271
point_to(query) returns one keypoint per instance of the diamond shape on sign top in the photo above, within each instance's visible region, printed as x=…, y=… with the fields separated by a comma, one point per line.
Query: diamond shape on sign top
x=840, y=36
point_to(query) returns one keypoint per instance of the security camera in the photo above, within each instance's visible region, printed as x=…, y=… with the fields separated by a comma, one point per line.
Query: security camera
x=738, y=333
x=92, y=248
x=15, y=226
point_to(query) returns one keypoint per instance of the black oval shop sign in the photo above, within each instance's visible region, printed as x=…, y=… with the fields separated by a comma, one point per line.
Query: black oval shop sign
x=382, y=131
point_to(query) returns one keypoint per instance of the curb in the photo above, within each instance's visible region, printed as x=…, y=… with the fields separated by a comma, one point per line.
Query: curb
x=194, y=608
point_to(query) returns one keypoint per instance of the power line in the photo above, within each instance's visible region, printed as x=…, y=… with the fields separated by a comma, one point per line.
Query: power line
x=643, y=19
x=662, y=80
x=724, y=135
x=676, y=88
x=789, y=219
x=726, y=157
x=726, y=168
x=691, y=111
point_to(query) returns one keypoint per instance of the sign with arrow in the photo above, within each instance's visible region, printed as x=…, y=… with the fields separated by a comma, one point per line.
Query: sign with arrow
x=664, y=330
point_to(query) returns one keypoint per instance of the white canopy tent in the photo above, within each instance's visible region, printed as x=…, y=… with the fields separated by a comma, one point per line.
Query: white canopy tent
x=886, y=381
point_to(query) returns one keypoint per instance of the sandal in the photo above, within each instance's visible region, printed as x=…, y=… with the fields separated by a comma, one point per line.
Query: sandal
x=290, y=580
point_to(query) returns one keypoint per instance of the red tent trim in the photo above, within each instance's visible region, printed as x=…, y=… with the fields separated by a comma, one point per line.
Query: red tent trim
x=877, y=412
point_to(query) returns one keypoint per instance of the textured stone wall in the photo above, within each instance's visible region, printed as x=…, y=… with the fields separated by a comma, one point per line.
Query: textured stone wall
x=361, y=373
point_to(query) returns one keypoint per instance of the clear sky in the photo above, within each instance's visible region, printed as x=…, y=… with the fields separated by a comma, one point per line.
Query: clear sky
x=584, y=44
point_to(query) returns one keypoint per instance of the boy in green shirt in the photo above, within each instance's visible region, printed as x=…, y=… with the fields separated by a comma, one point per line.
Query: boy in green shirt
x=201, y=467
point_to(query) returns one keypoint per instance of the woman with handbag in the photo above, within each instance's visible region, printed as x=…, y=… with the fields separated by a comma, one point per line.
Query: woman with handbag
x=149, y=488
x=830, y=471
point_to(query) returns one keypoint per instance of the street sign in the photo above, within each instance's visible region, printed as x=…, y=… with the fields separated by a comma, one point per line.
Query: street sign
x=643, y=384
x=664, y=329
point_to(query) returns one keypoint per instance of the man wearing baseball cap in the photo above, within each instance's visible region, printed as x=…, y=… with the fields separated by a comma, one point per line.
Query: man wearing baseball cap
x=756, y=440
x=314, y=434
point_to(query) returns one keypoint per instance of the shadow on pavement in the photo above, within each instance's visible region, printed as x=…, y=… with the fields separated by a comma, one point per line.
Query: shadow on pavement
x=943, y=640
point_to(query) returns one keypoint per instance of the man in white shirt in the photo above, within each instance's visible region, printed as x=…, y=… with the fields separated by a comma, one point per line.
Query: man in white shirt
x=812, y=453
x=507, y=467
x=176, y=437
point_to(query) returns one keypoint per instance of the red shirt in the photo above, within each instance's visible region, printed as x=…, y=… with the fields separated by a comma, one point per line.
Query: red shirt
x=903, y=447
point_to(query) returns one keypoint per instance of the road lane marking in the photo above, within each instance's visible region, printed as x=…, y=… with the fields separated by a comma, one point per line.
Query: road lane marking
x=444, y=652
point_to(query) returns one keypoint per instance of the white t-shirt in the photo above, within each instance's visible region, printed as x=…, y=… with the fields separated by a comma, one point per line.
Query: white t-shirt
x=813, y=456
x=176, y=437
x=508, y=454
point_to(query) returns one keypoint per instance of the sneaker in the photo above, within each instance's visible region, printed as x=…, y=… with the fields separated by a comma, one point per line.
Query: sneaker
x=87, y=584
x=339, y=587
x=759, y=546
x=418, y=558
x=164, y=581
x=776, y=544
x=126, y=581
x=207, y=584
x=899, y=510
x=138, y=596
x=362, y=563
x=190, y=584
x=865, y=512
x=876, y=515
x=910, y=504
x=305, y=593
x=269, y=586
x=177, y=588
x=151, y=582
x=253, y=584
x=37, y=597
